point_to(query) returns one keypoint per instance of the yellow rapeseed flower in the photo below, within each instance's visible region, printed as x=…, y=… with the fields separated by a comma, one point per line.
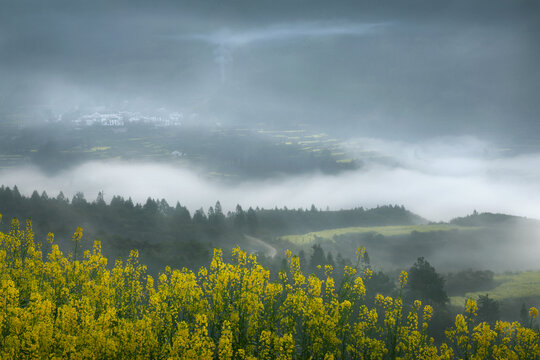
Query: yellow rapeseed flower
x=55, y=307
x=403, y=279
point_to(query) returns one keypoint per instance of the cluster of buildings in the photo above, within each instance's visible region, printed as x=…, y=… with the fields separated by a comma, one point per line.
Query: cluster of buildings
x=121, y=118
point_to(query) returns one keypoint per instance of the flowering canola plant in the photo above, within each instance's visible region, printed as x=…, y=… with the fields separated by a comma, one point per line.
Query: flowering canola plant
x=58, y=306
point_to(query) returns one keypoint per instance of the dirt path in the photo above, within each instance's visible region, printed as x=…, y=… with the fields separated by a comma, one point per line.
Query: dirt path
x=270, y=250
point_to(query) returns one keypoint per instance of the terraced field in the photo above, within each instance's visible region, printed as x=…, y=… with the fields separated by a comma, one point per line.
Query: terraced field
x=236, y=152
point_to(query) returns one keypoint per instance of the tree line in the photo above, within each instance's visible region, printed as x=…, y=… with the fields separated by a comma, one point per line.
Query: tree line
x=171, y=234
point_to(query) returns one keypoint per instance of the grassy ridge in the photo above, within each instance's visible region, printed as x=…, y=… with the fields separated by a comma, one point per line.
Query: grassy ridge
x=329, y=234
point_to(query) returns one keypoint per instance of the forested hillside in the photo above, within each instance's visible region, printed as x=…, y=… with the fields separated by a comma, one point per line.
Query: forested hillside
x=172, y=235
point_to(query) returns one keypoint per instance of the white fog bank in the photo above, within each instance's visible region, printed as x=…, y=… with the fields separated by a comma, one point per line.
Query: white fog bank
x=430, y=179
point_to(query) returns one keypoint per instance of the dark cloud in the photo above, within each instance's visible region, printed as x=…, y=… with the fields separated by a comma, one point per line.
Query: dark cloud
x=433, y=68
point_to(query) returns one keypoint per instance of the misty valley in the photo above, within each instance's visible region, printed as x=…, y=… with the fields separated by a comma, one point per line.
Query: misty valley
x=375, y=267
x=225, y=153
x=273, y=180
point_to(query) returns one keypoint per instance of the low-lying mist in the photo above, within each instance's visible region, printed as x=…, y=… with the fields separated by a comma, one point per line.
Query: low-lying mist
x=439, y=179
x=512, y=245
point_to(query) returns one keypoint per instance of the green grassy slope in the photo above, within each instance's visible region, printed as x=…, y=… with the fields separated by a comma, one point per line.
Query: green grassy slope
x=524, y=285
x=329, y=234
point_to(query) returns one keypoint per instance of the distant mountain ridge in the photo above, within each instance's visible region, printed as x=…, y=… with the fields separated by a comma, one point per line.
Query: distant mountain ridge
x=488, y=219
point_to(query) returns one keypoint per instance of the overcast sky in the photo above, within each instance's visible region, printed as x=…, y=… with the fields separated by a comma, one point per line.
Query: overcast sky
x=368, y=68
